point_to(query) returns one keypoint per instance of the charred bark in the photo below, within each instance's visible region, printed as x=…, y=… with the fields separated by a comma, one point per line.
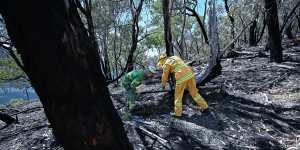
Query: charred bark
x=262, y=32
x=252, y=35
x=195, y=14
x=213, y=69
x=289, y=31
x=135, y=11
x=274, y=40
x=167, y=27
x=230, y=16
x=64, y=68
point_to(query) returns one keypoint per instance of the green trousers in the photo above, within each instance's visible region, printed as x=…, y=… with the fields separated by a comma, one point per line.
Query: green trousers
x=130, y=97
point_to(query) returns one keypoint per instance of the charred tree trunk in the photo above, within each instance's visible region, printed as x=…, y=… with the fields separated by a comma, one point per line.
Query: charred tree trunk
x=63, y=67
x=252, y=35
x=273, y=29
x=181, y=42
x=289, y=31
x=201, y=24
x=230, y=15
x=105, y=61
x=167, y=4
x=214, y=68
x=6, y=118
x=262, y=31
x=135, y=11
x=167, y=27
x=115, y=51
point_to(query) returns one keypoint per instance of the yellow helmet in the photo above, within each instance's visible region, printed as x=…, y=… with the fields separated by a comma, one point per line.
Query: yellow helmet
x=161, y=60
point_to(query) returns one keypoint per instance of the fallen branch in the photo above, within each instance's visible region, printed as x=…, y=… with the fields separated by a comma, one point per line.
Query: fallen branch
x=157, y=91
x=159, y=139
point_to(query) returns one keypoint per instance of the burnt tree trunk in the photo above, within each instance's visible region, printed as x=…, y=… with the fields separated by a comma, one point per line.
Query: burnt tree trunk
x=167, y=27
x=213, y=68
x=135, y=11
x=167, y=4
x=63, y=67
x=202, y=27
x=289, y=31
x=274, y=40
x=252, y=35
x=230, y=16
x=262, y=31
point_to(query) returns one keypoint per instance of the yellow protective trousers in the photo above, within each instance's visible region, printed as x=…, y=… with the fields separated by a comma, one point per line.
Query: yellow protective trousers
x=191, y=86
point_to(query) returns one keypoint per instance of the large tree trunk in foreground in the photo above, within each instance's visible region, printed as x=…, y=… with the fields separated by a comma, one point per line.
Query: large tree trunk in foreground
x=63, y=67
x=274, y=42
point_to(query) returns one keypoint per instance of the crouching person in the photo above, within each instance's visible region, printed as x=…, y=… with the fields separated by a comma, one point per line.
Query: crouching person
x=130, y=82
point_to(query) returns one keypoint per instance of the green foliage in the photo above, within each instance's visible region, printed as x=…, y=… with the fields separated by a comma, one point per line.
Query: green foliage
x=17, y=101
x=9, y=70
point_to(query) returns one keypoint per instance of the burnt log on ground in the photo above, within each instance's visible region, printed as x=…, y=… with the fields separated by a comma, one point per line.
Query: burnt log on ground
x=7, y=118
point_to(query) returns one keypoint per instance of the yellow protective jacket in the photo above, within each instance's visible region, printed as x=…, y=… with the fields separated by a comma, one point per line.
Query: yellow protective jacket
x=176, y=65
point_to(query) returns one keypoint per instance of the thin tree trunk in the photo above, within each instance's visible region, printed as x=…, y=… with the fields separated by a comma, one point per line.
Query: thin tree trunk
x=289, y=31
x=231, y=20
x=262, y=32
x=181, y=42
x=204, y=15
x=115, y=52
x=252, y=35
x=213, y=69
x=167, y=27
x=64, y=69
x=135, y=32
x=289, y=16
x=273, y=29
x=195, y=14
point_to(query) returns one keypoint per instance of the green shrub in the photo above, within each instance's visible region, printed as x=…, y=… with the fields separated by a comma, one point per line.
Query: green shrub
x=16, y=101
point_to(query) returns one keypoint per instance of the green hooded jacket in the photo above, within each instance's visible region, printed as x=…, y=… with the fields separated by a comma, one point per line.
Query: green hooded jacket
x=133, y=79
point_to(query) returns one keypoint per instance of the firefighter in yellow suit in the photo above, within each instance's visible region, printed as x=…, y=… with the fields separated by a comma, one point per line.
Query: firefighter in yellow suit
x=185, y=78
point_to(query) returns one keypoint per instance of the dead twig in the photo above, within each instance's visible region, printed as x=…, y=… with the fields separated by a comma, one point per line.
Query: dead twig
x=153, y=136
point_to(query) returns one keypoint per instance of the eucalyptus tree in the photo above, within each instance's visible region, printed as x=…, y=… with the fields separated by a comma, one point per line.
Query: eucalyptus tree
x=63, y=66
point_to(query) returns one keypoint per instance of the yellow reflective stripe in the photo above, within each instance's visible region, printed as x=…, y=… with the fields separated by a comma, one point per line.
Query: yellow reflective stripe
x=178, y=104
x=188, y=76
x=179, y=67
x=198, y=98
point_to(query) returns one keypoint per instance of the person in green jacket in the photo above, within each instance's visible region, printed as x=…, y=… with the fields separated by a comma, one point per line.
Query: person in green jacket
x=133, y=79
